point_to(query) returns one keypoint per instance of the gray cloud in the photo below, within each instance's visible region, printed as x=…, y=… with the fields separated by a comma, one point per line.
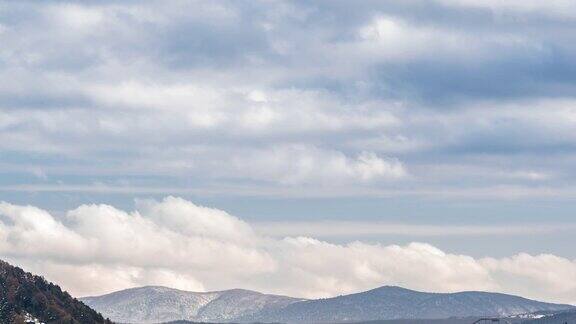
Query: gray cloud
x=459, y=95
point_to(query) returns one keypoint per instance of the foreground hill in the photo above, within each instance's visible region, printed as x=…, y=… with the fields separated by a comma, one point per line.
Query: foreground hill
x=160, y=304
x=24, y=296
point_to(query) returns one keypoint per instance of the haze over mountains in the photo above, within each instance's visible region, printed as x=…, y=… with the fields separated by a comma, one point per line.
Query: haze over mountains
x=160, y=304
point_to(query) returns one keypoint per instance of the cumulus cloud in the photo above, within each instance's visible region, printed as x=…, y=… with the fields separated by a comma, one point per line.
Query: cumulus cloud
x=97, y=248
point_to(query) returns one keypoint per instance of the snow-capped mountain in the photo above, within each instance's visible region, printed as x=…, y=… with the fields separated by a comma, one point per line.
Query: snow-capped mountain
x=399, y=303
x=159, y=304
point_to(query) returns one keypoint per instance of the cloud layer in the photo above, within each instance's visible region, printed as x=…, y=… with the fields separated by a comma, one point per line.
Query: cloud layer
x=333, y=98
x=97, y=248
x=434, y=100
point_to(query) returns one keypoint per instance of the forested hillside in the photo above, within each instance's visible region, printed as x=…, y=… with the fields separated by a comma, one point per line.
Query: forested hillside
x=24, y=296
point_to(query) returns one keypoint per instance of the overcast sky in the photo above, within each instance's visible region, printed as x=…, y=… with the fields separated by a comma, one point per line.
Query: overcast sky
x=313, y=124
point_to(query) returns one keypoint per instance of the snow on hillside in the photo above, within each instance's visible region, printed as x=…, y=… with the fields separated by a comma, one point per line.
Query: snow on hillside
x=159, y=304
x=399, y=303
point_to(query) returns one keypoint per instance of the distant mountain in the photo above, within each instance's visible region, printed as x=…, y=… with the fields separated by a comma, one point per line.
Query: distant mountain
x=160, y=304
x=25, y=297
x=399, y=303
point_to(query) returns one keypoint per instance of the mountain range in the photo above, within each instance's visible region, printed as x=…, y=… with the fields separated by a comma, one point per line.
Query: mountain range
x=160, y=304
x=155, y=304
x=27, y=298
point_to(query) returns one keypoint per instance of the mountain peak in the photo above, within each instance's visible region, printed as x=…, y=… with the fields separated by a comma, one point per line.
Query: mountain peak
x=394, y=288
x=392, y=291
x=240, y=291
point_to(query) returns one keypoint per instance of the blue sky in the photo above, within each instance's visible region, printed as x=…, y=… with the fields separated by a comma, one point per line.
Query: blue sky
x=442, y=121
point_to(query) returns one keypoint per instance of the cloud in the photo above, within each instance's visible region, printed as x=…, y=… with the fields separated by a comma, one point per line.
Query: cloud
x=301, y=99
x=380, y=96
x=299, y=164
x=97, y=248
x=100, y=235
x=80, y=18
x=399, y=41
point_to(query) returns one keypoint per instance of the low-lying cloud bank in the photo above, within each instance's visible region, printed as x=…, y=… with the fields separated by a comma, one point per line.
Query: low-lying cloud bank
x=97, y=248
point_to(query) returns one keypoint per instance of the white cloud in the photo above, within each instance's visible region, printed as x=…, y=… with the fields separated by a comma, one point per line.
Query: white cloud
x=200, y=221
x=33, y=232
x=97, y=248
x=240, y=108
x=535, y=274
x=369, y=166
x=326, y=269
x=396, y=40
x=100, y=235
x=79, y=18
x=304, y=164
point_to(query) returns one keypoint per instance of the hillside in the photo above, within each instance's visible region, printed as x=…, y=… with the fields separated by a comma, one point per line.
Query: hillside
x=26, y=296
x=160, y=304
x=399, y=303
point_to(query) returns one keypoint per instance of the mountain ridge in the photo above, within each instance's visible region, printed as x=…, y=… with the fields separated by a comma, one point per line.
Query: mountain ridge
x=153, y=304
x=162, y=304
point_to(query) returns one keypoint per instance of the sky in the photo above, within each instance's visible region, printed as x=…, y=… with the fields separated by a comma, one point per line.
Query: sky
x=309, y=148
